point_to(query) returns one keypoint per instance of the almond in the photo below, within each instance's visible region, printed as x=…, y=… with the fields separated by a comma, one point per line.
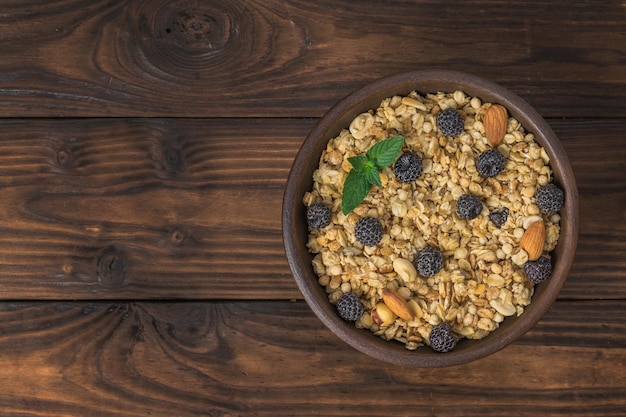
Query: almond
x=533, y=240
x=495, y=122
x=397, y=304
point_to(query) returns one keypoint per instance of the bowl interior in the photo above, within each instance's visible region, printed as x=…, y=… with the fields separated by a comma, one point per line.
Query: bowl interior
x=295, y=231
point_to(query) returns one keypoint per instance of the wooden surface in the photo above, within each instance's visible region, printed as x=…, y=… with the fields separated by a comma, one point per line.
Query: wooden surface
x=144, y=149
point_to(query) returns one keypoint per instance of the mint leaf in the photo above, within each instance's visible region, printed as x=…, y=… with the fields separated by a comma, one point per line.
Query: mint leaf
x=361, y=162
x=367, y=168
x=373, y=177
x=355, y=189
x=385, y=152
x=365, y=173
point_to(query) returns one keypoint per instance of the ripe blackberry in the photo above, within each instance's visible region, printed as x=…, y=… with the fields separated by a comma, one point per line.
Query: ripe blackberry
x=428, y=261
x=408, y=167
x=468, y=206
x=450, y=122
x=369, y=231
x=539, y=270
x=349, y=307
x=442, y=339
x=499, y=217
x=549, y=198
x=490, y=163
x=318, y=215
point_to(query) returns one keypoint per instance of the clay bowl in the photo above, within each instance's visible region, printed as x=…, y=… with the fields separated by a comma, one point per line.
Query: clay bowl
x=295, y=229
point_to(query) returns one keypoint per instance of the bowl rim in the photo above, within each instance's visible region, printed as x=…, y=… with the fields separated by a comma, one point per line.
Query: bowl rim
x=361, y=100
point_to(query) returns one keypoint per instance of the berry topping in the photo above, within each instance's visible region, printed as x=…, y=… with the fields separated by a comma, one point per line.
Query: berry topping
x=441, y=338
x=539, y=270
x=428, y=261
x=468, y=206
x=450, y=122
x=490, y=163
x=499, y=217
x=318, y=215
x=408, y=167
x=350, y=307
x=369, y=231
x=549, y=198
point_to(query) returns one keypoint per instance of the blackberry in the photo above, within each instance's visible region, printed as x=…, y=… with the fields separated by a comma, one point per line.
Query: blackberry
x=442, y=339
x=350, y=307
x=539, y=270
x=408, y=167
x=499, y=217
x=369, y=231
x=428, y=261
x=450, y=122
x=490, y=163
x=468, y=206
x=549, y=198
x=318, y=215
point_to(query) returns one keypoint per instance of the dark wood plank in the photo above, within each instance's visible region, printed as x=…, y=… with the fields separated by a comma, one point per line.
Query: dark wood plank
x=600, y=264
x=297, y=58
x=145, y=208
x=190, y=209
x=204, y=359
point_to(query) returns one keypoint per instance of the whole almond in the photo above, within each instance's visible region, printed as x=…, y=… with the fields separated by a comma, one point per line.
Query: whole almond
x=397, y=304
x=495, y=122
x=533, y=240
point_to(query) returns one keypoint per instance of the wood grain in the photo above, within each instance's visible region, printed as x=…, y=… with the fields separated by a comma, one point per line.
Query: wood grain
x=190, y=209
x=295, y=58
x=600, y=172
x=145, y=208
x=144, y=149
x=220, y=359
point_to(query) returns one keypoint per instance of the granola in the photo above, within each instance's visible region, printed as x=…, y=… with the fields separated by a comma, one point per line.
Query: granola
x=482, y=280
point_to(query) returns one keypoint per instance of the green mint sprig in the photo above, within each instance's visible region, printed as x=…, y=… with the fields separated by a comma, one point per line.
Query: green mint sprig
x=364, y=172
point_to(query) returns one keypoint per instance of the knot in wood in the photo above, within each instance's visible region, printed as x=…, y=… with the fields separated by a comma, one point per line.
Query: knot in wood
x=178, y=237
x=202, y=27
x=172, y=159
x=171, y=156
x=64, y=158
x=112, y=268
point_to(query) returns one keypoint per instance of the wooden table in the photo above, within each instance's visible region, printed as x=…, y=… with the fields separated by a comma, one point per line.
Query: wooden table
x=144, y=149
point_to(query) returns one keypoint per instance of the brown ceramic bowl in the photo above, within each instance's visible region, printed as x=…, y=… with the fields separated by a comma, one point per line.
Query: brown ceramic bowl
x=295, y=231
